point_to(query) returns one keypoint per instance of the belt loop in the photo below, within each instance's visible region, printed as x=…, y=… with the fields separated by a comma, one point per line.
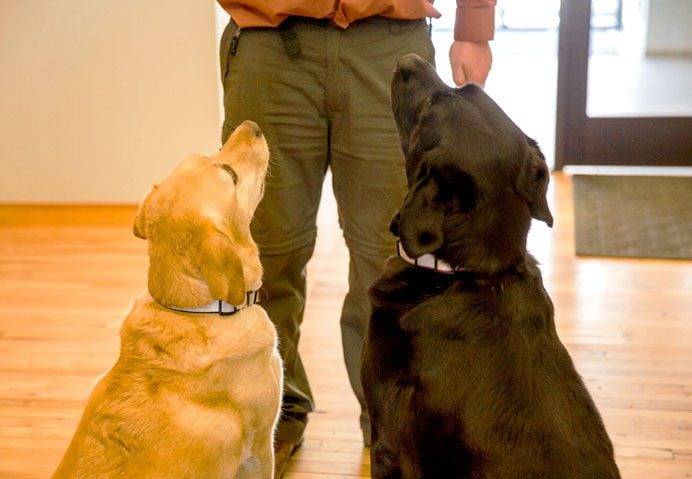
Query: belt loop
x=289, y=38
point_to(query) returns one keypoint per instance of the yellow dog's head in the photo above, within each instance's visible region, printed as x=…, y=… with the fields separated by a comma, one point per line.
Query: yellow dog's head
x=197, y=222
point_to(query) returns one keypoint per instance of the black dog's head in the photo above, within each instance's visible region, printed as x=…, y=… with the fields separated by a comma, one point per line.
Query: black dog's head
x=475, y=180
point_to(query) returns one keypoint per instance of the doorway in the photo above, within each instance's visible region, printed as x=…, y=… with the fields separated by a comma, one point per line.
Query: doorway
x=624, y=93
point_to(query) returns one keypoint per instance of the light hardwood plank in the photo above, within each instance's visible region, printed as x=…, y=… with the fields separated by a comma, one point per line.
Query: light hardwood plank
x=68, y=275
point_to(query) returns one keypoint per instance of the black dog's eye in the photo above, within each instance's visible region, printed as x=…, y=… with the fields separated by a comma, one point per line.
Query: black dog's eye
x=456, y=186
x=229, y=169
x=422, y=171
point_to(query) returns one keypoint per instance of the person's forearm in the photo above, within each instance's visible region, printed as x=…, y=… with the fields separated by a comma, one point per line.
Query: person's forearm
x=475, y=21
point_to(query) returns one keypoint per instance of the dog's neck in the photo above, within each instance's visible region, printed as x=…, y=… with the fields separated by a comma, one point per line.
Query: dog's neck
x=177, y=286
x=176, y=281
x=219, y=307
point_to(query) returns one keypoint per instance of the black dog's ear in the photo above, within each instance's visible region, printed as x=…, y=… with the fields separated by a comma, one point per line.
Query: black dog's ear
x=532, y=183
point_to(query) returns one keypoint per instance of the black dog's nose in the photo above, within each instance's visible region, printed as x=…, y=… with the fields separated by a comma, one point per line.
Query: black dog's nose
x=409, y=64
x=404, y=73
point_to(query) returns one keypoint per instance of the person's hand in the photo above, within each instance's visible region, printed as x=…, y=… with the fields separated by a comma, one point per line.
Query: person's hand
x=470, y=61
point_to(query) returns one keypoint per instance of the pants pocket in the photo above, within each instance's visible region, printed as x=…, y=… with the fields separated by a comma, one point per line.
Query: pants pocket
x=225, y=48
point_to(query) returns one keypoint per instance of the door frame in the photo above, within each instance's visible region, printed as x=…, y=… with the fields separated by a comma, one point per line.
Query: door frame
x=584, y=140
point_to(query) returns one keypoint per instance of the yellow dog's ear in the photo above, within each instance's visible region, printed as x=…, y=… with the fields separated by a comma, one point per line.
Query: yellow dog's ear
x=221, y=267
x=139, y=227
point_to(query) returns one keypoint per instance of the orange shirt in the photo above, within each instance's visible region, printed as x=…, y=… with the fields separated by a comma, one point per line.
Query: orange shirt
x=475, y=19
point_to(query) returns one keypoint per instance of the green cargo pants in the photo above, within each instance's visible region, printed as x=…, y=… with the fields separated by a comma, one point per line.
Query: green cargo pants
x=327, y=105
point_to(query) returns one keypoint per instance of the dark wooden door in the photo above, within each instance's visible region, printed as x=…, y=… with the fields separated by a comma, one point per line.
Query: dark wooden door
x=606, y=140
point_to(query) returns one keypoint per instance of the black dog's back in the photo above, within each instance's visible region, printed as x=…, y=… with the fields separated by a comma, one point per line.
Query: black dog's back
x=463, y=371
x=467, y=378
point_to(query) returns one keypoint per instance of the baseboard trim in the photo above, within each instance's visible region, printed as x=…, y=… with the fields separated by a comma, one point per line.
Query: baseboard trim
x=66, y=214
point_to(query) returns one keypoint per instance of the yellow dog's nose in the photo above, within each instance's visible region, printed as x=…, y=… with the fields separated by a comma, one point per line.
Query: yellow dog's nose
x=252, y=127
x=246, y=135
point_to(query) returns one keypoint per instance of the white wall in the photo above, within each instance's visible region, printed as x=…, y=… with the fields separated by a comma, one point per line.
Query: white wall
x=100, y=99
x=669, y=27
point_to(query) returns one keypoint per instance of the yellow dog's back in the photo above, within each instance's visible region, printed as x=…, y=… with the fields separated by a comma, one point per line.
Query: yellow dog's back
x=183, y=398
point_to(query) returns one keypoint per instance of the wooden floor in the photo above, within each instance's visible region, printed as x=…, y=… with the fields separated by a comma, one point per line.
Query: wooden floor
x=64, y=289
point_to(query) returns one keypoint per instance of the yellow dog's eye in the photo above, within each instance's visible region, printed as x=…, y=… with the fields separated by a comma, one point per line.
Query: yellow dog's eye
x=229, y=169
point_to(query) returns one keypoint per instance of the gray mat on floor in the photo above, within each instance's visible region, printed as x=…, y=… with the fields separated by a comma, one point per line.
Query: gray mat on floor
x=633, y=216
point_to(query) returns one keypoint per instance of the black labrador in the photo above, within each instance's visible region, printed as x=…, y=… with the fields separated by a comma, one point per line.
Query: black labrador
x=464, y=374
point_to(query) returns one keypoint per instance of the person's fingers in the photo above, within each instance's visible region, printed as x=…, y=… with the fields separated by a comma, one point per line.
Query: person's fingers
x=458, y=74
x=477, y=70
x=471, y=62
x=455, y=60
x=476, y=75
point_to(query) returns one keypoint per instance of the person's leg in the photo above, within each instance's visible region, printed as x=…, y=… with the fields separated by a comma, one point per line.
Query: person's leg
x=284, y=96
x=368, y=166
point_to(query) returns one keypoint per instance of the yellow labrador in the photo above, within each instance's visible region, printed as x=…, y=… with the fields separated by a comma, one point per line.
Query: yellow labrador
x=193, y=394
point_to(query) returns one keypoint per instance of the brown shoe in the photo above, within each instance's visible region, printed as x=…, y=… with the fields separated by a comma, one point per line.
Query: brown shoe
x=282, y=454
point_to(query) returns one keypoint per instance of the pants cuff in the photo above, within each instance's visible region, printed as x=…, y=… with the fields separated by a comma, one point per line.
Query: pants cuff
x=291, y=429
